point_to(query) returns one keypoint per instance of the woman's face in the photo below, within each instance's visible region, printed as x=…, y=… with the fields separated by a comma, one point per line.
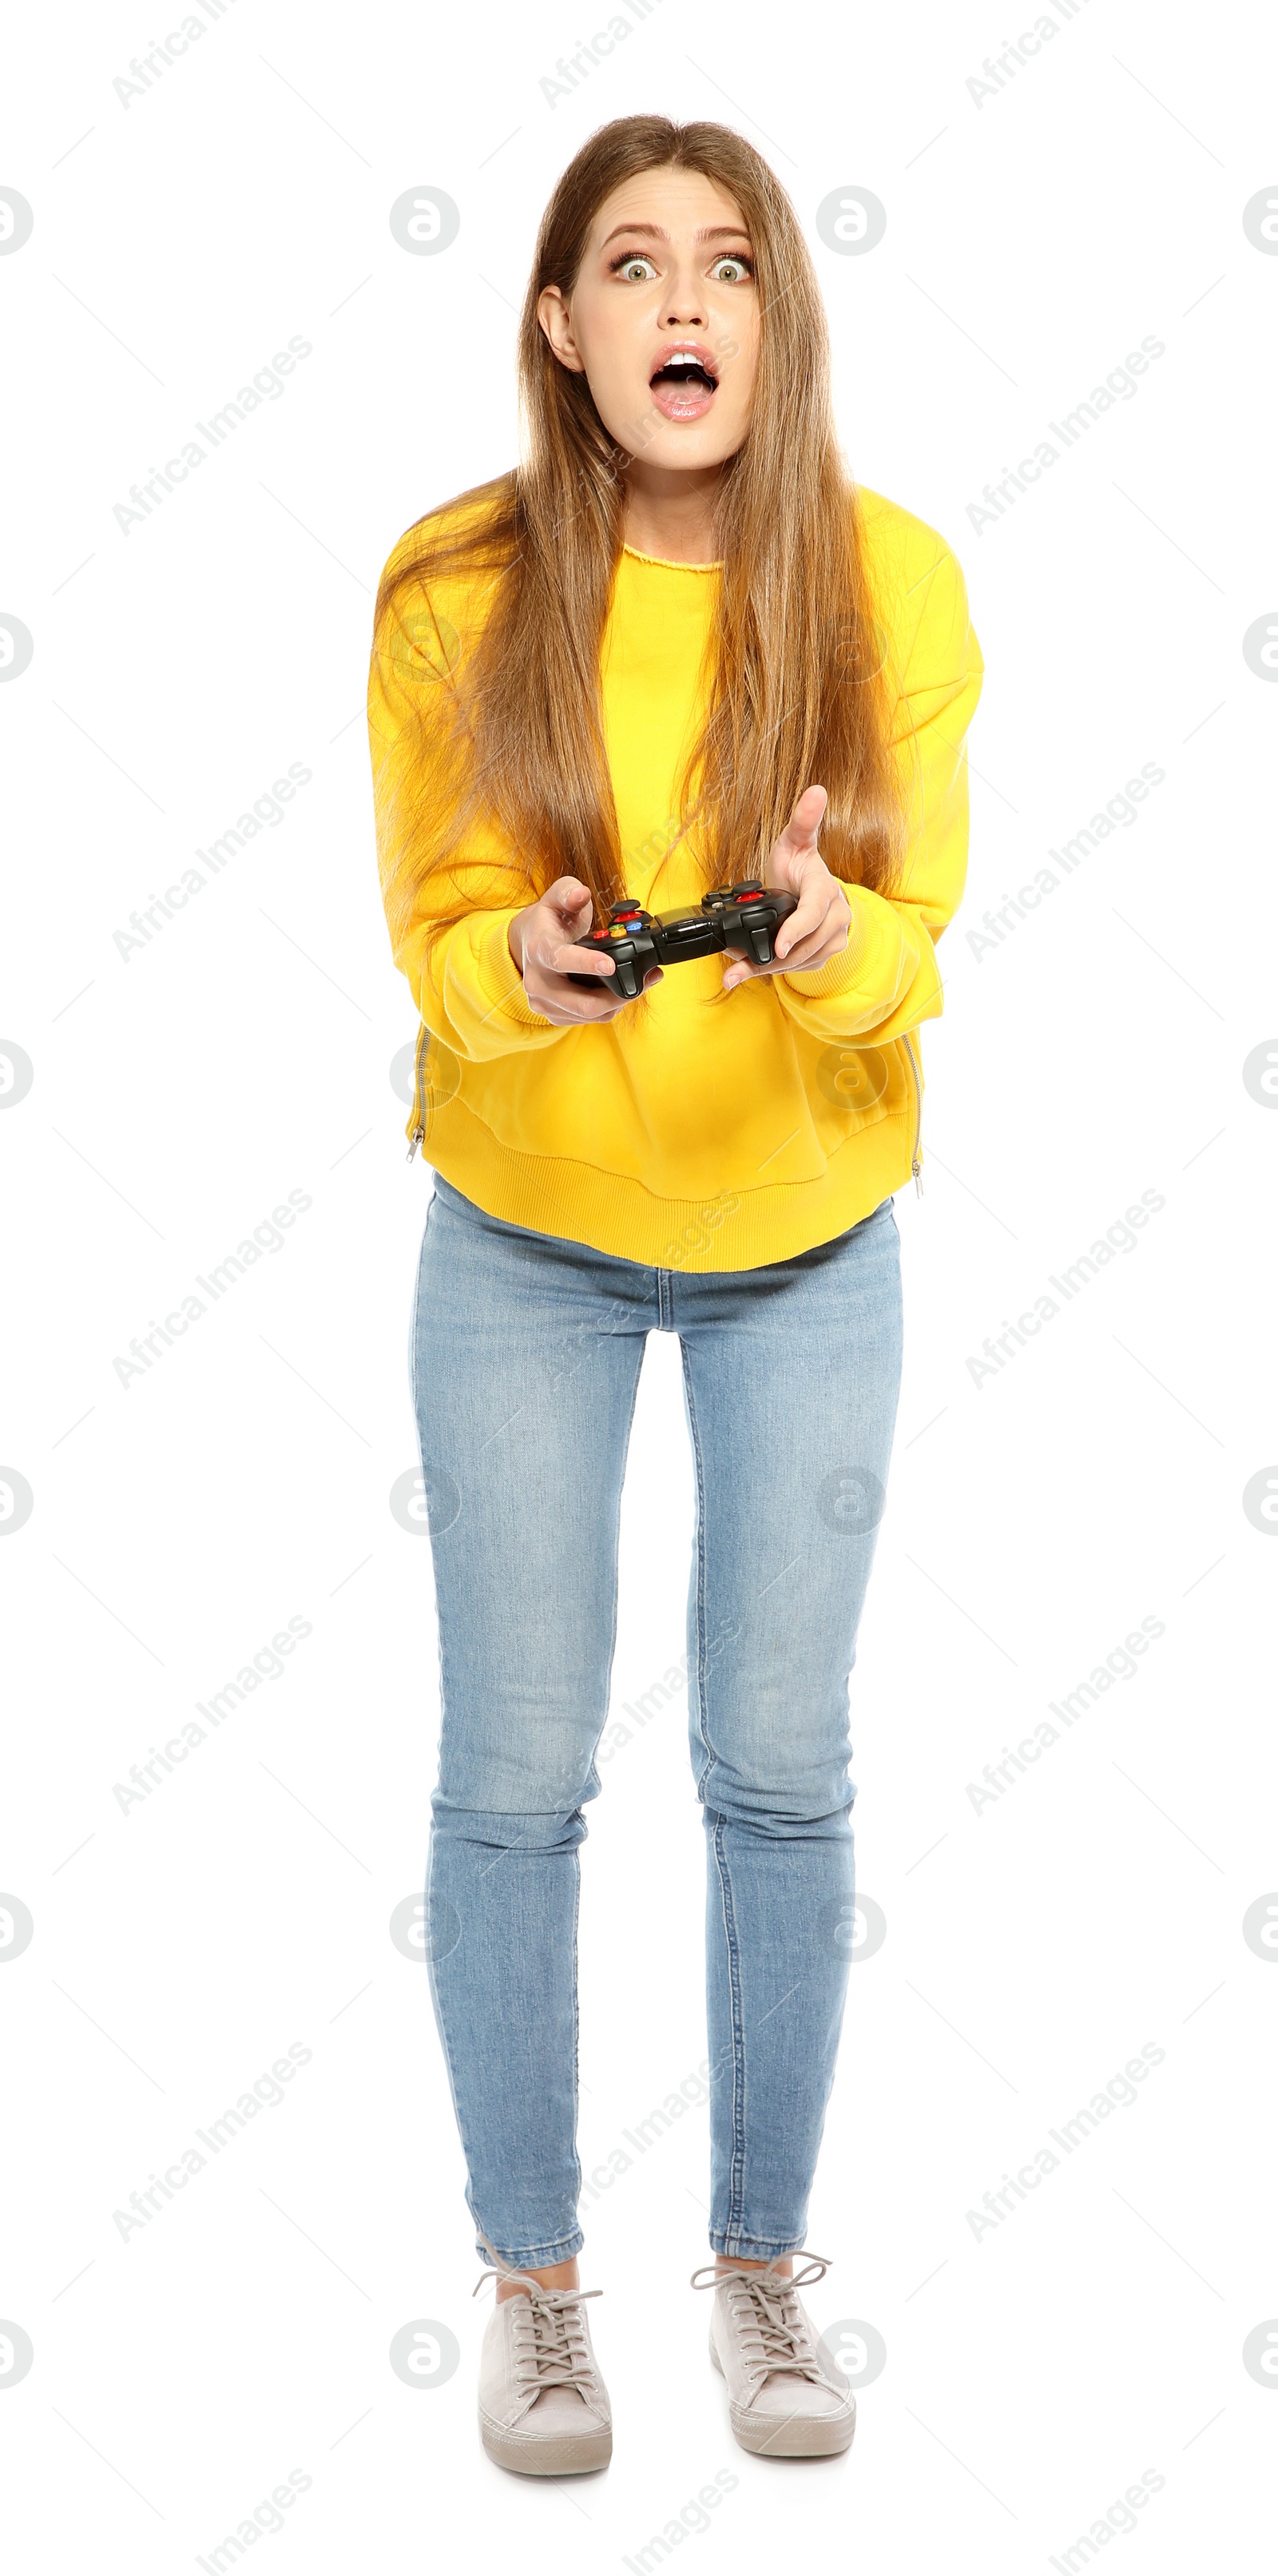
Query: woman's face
x=663, y=320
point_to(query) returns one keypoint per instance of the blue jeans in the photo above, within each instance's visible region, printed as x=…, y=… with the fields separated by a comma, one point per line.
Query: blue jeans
x=525, y=1354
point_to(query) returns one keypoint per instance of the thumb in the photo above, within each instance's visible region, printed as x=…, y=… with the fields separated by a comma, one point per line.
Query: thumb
x=801, y=830
x=569, y=896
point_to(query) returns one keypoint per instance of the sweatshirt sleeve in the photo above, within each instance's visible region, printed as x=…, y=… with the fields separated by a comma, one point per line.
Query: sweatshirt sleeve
x=887, y=979
x=465, y=983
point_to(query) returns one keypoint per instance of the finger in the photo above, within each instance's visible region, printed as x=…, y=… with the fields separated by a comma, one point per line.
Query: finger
x=809, y=921
x=808, y=810
x=822, y=914
x=812, y=956
x=569, y=902
x=800, y=834
x=568, y=1008
x=566, y=957
x=570, y=960
x=570, y=954
x=570, y=1000
x=814, y=952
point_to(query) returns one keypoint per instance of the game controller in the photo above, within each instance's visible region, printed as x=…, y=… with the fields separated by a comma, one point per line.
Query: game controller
x=746, y=916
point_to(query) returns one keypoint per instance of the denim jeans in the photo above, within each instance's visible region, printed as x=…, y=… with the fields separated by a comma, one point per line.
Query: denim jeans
x=525, y=1358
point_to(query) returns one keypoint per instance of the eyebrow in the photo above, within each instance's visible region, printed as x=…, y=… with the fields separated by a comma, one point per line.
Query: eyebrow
x=657, y=232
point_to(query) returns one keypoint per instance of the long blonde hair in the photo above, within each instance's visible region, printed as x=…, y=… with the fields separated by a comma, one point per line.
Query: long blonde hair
x=796, y=685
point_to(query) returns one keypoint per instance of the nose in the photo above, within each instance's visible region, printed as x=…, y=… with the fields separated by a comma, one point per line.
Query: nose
x=685, y=309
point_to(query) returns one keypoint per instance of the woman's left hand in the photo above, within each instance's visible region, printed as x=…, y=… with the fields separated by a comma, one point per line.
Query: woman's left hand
x=819, y=927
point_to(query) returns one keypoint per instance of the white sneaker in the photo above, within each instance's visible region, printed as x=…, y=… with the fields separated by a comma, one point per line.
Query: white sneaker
x=543, y=2407
x=784, y=2397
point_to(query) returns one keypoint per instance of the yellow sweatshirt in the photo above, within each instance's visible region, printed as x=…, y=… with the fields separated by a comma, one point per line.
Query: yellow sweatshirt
x=697, y=1139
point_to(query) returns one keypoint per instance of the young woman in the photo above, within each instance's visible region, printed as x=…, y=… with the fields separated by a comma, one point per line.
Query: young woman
x=676, y=648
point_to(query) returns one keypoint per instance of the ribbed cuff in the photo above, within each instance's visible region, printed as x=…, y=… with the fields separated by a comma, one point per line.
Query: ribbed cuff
x=502, y=981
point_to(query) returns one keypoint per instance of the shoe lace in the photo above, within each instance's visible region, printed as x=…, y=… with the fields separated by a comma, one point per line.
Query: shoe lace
x=551, y=2345
x=773, y=2331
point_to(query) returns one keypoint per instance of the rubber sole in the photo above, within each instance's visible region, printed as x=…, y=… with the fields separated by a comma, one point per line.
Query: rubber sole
x=563, y=2455
x=788, y=2437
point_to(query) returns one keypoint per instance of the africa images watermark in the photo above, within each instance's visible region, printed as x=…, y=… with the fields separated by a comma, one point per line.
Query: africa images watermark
x=1120, y=812
x=266, y=2516
x=1120, y=1665
x=1119, y=2516
x=693, y=2516
x=267, y=1665
x=1122, y=1236
x=267, y=812
x=668, y=1691
x=267, y=386
x=266, y=2093
x=623, y=1314
x=145, y=70
x=1017, y=54
x=1120, y=385
x=691, y=2095
x=266, y=1238
x=588, y=56
x=1119, y=2094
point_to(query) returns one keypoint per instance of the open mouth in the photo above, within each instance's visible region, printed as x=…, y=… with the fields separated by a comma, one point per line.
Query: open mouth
x=683, y=384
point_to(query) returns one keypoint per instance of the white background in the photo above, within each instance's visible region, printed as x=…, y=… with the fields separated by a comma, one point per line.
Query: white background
x=1033, y=1946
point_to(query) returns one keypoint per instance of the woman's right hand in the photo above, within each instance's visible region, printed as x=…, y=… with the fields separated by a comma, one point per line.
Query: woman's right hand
x=542, y=941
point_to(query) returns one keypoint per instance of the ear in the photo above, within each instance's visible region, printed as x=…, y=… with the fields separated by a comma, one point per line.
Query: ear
x=552, y=314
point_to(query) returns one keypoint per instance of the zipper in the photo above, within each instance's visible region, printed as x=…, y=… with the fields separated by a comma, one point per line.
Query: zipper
x=915, y=1157
x=419, y=1104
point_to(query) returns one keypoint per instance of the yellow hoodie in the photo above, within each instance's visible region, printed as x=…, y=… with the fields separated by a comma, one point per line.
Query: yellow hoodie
x=694, y=1138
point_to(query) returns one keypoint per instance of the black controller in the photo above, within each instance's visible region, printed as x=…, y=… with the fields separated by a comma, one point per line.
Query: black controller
x=746, y=916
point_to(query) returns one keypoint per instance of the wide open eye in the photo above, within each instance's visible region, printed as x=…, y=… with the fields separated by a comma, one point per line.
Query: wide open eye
x=735, y=260
x=628, y=262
